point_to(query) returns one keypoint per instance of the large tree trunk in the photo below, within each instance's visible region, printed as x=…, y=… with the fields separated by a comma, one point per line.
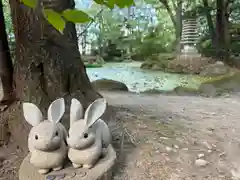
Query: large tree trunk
x=6, y=70
x=48, y=64
x=6, y=66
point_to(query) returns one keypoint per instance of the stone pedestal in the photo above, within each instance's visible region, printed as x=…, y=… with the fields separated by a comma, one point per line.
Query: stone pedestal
x=102, y=170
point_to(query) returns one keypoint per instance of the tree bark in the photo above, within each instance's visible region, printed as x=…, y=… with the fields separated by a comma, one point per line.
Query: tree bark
x=176, y=20
x=84, y=47
x=178, y=28
x=6, y=66
x=209, y=22
x=101, y=46
x=222, y=30
x=48, y=64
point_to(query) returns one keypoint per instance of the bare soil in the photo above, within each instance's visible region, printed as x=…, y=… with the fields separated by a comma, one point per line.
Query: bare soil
x=160, y=137
x=10, y=160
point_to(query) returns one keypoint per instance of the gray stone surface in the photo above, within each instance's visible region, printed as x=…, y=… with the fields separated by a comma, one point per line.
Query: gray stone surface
x=1, y=90
x=101, y=171
x=216, y=69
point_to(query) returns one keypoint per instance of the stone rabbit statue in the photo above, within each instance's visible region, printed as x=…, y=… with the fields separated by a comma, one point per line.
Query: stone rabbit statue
x=47, y=138
x=88, y=135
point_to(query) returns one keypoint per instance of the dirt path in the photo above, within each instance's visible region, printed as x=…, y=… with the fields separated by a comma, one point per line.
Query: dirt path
x=171, y=132
x=164, y=135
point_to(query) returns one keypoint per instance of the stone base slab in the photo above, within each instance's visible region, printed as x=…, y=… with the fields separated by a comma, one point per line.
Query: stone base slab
x=102, y=170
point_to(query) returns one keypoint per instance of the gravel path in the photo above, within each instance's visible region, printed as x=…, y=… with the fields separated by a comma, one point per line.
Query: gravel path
x=181, y=137
x=169, y=138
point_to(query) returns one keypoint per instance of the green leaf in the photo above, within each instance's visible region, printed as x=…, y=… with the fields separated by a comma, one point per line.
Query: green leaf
x=76, y=16
x=110, y=3
x=30, y=3
x=55, y=19
x=124, y=3
x=130, y=3
x=99, y=1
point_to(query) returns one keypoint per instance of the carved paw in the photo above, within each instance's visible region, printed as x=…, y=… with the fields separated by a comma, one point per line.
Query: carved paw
x=88, y=166
x=43, y=171
x=58, y=168
x=77, y=165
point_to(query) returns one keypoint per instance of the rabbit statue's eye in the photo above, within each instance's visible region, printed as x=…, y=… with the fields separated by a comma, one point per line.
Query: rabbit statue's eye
x=36, y=137
x=85, y=135
x=56, y=134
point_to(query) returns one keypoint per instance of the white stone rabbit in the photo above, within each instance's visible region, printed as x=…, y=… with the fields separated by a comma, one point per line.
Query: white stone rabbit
x=47, y=138
x=88, y=136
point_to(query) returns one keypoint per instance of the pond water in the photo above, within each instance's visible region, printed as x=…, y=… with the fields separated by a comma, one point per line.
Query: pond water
x=139, y=80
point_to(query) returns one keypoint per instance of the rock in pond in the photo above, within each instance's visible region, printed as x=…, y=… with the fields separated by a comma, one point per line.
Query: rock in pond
x=109, y=85
x=157, y=67
x=154, y=65
x=188, y=64
x=146, y=65
x=157, y=61
x=180, y=90
x=208, y=90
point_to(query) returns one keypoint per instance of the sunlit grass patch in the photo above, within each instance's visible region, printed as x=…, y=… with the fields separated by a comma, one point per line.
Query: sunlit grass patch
x=216, y=78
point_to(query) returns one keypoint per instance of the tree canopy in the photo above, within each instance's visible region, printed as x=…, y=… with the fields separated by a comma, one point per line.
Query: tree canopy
x=142, y=27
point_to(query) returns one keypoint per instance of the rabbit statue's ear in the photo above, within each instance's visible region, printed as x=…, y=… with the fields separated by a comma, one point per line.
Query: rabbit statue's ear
x=76, y=110
x=95, y=111
x=32, y=114
x=56, y=110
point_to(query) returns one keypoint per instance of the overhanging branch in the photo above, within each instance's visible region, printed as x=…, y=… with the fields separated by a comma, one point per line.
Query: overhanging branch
x=169, y=10
x=89, y=24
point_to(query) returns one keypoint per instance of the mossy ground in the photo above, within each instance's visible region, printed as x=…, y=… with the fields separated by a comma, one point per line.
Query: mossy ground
x=222, y=84
x=93, y=65
x=110, y=85
x=219, y=79
x=177, y=90
x=159, y=60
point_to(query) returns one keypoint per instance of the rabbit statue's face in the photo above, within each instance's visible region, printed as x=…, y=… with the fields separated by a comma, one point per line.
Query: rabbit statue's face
x=46, y=136
x=80, y=138
x=82, y=132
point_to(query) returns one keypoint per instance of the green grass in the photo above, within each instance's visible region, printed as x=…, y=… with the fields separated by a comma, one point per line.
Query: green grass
x=221, y=78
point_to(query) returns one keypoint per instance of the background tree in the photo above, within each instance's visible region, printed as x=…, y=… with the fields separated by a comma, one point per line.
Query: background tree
x=6, y=67
x=48, y=63
x=222, y=29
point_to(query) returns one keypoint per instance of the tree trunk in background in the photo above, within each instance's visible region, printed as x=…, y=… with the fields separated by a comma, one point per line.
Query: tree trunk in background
x=48, y=64
x=209, y=22
x=222, y=31
x=178, y=28
x=101, y=46
x=84, y=38
x=85, y=43
x=176, y=20
x=6, y=66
